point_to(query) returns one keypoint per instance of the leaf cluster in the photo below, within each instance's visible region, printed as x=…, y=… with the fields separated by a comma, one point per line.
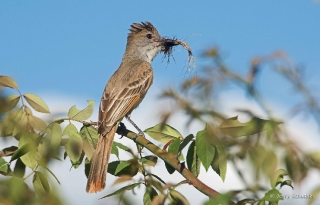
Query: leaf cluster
x=261, y=144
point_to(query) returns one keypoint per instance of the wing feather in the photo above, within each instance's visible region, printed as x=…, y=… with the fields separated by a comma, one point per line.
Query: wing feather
x=115, y=105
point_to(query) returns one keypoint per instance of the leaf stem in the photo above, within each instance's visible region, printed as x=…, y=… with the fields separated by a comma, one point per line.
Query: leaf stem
x=31, y=172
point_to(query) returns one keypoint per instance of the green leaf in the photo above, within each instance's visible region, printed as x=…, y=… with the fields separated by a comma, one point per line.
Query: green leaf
x=174, y=147
x=74, y=145
x=36, y=103
x=131, y=169
x=10, y=121
x=90, y=133
x=180, y=157
x=40, y=184
x=121, y=146
x=193, y=161
x=159, y=199
x=157, y=177
x=19, y=192
x=19, y=168
x=273, y=196
x=51, y=142
x=264, y=160
x=169, y=168
x=185, y=142
x=205, y=148
x=74, y=148
x=69, y=130
x=222, y=199
x=150, y=160
x=9, y=103
x=27, y=110
x=44, y=166
x=121, y=166
x=56, y=135
x=178, y=197
x=24, y=149
x=149, y=195
x=269, y=163
x=87, y=166
x=3, y=165
x=163, y=133
x=116, y=145
x=114, y=150
x=76, y=164
x=21, y=126
x=76, y=114
x=37, y=123
x=27, y=150
x=7, y=81
x=277, y=177
x=90, y=138
x=219, y=163
x=122, y=190
x=234, y=128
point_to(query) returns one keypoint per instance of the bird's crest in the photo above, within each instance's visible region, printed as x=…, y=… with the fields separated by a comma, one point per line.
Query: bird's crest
x=136, y=27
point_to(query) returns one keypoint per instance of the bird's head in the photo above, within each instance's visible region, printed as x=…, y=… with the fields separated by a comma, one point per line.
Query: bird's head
x=144, y=41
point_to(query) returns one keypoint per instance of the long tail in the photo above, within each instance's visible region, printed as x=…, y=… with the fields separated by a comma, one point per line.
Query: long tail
x=99, y=163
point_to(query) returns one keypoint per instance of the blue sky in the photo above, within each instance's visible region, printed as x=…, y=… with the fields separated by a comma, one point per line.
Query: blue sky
x=71, y=48
x=74, y=46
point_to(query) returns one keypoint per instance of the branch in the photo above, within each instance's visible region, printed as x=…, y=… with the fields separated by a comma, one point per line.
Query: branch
x=165, y=156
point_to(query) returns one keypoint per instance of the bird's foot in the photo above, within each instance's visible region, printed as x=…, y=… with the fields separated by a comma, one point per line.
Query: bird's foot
x=138, y=134
x=121, y=129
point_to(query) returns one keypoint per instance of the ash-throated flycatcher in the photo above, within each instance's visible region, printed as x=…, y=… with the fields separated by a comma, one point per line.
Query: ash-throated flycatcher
x=122, y=94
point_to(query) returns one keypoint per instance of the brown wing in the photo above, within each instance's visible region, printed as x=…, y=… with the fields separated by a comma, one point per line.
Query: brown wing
x=115, y=105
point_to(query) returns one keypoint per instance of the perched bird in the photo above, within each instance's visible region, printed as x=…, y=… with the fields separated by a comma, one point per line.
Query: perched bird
x=124, y=91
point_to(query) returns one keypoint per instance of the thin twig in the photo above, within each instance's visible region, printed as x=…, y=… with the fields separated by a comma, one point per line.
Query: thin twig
x=168, y=158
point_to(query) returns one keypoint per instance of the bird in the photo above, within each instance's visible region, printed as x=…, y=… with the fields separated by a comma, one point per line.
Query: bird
x=123, y=92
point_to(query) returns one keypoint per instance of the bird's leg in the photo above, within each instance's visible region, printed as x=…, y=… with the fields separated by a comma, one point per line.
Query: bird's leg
x=137, y=128
x=139, y=148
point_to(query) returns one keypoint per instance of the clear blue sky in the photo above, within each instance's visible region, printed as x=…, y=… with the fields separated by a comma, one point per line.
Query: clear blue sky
x=72, y=47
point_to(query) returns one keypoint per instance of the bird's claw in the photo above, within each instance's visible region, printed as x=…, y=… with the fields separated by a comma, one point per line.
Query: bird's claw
x=121, y=127
x=138, y=134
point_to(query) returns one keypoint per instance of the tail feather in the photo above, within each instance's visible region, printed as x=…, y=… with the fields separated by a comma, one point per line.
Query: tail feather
x=99, y=163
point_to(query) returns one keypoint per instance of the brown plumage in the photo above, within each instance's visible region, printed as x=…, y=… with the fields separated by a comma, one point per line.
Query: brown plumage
x=124, y=91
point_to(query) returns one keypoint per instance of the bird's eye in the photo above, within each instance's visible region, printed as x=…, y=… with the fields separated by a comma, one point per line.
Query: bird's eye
x=149, y=36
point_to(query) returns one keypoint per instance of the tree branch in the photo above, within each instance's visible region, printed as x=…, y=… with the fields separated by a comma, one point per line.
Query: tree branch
x=165, y=156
